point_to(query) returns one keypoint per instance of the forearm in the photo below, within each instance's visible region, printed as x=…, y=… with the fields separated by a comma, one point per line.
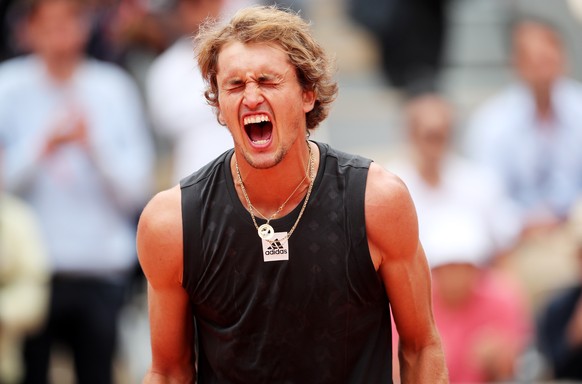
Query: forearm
x=425, y=366
x=172, y=337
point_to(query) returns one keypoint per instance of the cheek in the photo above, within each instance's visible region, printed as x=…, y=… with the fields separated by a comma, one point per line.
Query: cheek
x=226, y=109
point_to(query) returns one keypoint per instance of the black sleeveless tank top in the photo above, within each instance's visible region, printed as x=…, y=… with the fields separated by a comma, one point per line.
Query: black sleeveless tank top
x=320, y=317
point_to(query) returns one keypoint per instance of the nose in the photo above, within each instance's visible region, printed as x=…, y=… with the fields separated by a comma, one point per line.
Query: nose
x=252, y=96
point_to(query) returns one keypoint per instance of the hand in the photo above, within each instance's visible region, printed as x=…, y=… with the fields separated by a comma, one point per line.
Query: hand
x=71, y=128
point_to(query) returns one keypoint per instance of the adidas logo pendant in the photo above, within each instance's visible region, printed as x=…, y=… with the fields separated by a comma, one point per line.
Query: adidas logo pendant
x=275, y=249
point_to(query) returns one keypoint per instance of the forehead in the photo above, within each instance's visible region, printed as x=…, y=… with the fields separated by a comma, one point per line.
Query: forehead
x=238, y=59
x=430, y=115
x=530, y=34
x=51, y=12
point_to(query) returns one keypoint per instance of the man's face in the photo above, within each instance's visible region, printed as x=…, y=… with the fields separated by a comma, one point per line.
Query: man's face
x=538, y=55
x=261, y=101
x=58, y=29
x=431, y=132
x=455, y=282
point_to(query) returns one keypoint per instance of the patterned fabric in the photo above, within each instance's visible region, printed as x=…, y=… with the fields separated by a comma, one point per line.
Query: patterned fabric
x=320, y=317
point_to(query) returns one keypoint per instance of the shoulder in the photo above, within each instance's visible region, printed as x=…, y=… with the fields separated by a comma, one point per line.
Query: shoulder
x=208, y=173
x=343, y=159
x=384, y=188
x=108, y=75
x=494, y=119
x=568, y=95
x=160, y=68
x=176, y=65
x=391, y=221
x=16, y=72
x=159, y=237
x=173, y=56
x=162, y=216
x=502, y=107
x=388, y=200
x=17, y=64
x=572, y=86
x=104, y=68
x=466, y=172
x=513, y=93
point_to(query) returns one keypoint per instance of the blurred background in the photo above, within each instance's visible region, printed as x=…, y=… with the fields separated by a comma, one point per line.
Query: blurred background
x=475, y=104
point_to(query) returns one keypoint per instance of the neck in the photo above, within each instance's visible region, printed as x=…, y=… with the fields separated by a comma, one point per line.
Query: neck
x=430, y=172
x=543, y=101
x=61, y=69
x=268, y=189
x=544, y=107
x=430, y=176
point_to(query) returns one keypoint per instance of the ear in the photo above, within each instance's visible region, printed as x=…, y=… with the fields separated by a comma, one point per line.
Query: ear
x=308, y=100
x=219, y=116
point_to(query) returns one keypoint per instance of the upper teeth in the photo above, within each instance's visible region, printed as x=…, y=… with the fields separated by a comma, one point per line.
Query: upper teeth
x=255, y=119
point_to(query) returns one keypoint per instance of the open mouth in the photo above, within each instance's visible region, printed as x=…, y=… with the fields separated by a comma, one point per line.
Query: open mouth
x=258, y=128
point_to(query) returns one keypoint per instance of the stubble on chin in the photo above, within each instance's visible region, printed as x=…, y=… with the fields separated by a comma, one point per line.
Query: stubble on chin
x=276, y=159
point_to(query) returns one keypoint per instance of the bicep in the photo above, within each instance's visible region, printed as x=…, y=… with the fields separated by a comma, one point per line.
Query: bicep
x=159, y=244
x=392, y=227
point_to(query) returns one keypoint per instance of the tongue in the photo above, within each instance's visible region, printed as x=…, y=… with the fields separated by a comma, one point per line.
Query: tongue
x=259, y=132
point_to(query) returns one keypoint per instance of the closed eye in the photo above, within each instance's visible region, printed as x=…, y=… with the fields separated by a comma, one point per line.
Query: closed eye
x=232, y=85
x=269, y=80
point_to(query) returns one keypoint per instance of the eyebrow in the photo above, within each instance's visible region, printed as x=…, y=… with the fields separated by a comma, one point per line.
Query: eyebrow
x=262, y=77
x=233, y=81
x=269, y=77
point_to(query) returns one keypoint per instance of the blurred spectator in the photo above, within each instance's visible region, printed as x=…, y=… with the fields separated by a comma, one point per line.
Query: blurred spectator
x=130, y=33
x=530, y=132
x=437, y=176
x=530, y=135
x=24, y=289
x=560, y=328
x=78, y=151
x=175, y=95
x=122, y=25
x=481, y=314
x=411, y=36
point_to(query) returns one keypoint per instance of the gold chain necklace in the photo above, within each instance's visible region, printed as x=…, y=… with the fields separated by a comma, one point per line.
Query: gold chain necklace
x=266, y=231
x=285, y=202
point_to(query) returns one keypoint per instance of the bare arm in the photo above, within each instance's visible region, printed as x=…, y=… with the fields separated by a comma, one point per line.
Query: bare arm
x=160, y=248
x=392, y=228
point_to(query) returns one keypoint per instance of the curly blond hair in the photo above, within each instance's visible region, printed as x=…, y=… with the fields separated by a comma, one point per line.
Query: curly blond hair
x=270, y=24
